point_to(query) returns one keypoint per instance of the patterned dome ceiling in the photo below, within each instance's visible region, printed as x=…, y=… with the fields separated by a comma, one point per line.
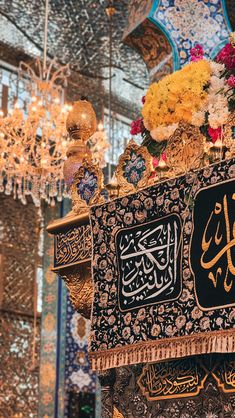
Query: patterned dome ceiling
x=78, y=34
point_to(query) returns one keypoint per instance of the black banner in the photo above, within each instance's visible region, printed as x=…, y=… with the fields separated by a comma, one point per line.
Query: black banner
x=213, y=246
x=164, y=270
x=149, y=262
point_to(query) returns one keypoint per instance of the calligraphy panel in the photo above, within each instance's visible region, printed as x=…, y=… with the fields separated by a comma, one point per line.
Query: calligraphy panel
x=172, y=379
x=149, y=262
x=73, y=245
x=224, y=374
x=213, y=246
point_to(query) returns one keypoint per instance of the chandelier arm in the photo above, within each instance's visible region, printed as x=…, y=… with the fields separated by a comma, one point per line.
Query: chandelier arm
x=25, y=68
x=45, y=38
x=61, y=73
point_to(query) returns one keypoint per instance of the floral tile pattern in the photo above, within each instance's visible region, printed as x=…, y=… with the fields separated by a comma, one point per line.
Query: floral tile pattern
x=78, y=374
x=87, y=186
x=134, y=168
x=190, y=22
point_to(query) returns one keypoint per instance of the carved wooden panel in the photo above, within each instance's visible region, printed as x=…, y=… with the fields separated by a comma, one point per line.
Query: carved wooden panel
x=19, y=245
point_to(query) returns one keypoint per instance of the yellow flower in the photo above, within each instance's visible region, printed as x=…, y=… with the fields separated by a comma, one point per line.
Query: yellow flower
x=177, y=96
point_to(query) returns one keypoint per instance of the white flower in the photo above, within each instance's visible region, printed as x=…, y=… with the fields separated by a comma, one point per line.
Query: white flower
x=163, y=132
x=218, y=111
x=217, y=68
x=198, y=118
x=216, y=84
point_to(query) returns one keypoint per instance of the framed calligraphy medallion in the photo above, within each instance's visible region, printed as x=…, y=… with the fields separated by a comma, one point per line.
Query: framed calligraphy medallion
x=172, y=379
x=224, y=374
x=134, y=168
x=149, y=263
x=213, y=246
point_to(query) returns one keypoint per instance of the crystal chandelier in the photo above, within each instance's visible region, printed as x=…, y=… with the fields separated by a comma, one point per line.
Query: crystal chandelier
x=33, y=141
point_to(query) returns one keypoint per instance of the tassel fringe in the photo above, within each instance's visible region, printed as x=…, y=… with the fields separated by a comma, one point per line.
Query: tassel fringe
x=160, y=350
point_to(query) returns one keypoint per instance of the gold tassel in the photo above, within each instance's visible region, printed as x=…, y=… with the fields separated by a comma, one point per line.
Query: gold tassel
x=160, y=350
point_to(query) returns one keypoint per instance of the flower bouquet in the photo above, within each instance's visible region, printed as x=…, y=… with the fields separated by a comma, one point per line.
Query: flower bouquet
x=201, y=96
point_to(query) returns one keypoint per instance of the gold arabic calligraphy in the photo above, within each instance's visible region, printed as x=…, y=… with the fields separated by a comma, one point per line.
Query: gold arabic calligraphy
x=172, y=379
x=73, y=245
x=223, y=243
x=224, y=374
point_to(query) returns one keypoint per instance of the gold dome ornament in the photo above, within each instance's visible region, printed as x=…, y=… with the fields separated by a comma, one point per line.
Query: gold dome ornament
x=81, y=121
x=81, y=124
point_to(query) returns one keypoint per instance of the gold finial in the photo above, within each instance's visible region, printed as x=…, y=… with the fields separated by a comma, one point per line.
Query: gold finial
x=81, y=121
x=113, y=187
x=232, y=39
x=110, y=11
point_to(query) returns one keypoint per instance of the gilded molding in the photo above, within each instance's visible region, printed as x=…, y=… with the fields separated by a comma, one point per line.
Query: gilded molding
x=86, y=187
x=128, y=159
x=72, y=246
x=80, y=286
x=185, y=149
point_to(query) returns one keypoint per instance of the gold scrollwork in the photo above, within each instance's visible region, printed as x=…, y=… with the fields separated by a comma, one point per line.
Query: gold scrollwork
x=224, y=374
x=80, y=204
x=185, y=149
x=172, y=379
x=79, y=283
x=116, y=413
x=229, y=135
x=73, y=245
x=126, y=186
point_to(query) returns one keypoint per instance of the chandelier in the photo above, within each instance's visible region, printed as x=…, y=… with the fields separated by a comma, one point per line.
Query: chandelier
x=33, y=143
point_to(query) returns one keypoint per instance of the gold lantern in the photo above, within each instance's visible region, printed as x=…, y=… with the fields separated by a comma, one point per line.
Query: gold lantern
x=81, y=124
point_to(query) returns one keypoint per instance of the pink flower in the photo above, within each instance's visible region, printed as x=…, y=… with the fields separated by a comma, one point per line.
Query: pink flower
x=196, y=53
x=215, y=134
x=137, y=127
x=231, y=81
x=155, y=161
x=143, y=99
x=227, y=56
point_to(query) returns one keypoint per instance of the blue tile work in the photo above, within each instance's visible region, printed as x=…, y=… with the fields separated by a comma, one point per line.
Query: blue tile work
x=186, y=23
x=78, y=374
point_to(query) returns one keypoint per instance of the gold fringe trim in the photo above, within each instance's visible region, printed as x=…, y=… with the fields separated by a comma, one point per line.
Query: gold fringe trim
x=169, y=348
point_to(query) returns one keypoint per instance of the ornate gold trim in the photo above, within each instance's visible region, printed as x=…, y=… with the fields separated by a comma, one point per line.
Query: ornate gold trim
x=185, y=149
x=80, y=205
x=165, y=349
x=80, y=286
x=227, y=375
x=190, y=378
x=228, y=140
x=59, y=269
x=59, y=224
x=125, y=186
x=117, y=414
